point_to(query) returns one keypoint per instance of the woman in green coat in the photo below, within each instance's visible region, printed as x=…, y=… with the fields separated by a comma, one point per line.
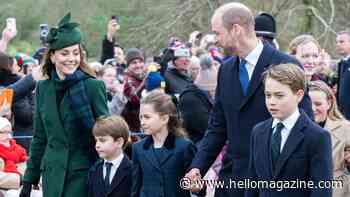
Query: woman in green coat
x=67, y=105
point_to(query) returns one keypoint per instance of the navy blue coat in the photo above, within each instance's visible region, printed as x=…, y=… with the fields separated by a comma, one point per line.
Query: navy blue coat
x=234, y=116
x=153, y=178
x=306, y=156
x=121, y=182
x=343, y=92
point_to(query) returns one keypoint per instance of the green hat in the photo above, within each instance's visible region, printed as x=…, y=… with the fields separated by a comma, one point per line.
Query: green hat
x=64, y=35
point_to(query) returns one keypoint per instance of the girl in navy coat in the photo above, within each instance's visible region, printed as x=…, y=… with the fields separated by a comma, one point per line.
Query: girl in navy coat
x=162, y=158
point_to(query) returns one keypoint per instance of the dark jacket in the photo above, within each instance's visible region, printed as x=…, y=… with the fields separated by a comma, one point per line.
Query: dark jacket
x=22, y=87
x=161, y=178
x=60, y=155
x=306, y=156
x=343, y=92
x=234, y=115
x=22, y=108
x=176, y=82
x=107, y=49
x=195, y=106
x=121, y=182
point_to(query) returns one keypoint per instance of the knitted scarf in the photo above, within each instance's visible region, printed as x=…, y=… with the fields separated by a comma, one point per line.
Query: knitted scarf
x=82, y=117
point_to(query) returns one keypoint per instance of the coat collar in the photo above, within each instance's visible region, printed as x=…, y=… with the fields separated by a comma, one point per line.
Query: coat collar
x=168, y=144
x=294, y=139
x=332, y=124
x=120, y=174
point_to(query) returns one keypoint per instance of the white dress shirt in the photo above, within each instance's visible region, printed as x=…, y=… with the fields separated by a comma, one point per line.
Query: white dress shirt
x=253, y=57
x=115, y=165
x=288, y=124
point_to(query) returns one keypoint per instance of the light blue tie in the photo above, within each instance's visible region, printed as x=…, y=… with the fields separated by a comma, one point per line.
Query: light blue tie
x=243, y=76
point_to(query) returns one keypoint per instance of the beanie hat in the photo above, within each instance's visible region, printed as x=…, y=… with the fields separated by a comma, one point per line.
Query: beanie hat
x=154, y=81
x=265, y=25
x=132, y=54
x=182, y=52
x=207, y=77
x=65, y=34
x=205, y=61
x=23, y=59
x=4, y=123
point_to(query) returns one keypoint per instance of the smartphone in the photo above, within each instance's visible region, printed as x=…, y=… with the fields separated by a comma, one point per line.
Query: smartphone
x=11, y=24
x=115, y=17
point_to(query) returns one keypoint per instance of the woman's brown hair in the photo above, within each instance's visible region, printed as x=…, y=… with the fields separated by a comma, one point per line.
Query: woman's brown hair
x=48, y=66
x=6, y=62
x=164, y=105
x=333, y=112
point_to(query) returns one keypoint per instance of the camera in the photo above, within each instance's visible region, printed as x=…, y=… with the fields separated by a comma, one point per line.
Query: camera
x=44, y=32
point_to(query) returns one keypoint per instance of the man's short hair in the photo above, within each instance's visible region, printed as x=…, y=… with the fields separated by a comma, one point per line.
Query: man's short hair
x=287, y=74
x=236, y=13
x=114, y=126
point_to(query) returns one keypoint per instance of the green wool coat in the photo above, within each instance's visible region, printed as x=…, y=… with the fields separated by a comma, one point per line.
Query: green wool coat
x=63, y=157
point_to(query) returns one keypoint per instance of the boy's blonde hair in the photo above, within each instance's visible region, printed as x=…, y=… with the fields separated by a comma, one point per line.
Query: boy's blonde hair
x=114, y=126
x=287, y=74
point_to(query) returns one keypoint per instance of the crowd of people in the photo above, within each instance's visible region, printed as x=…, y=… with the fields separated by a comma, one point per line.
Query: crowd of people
x=227, y=105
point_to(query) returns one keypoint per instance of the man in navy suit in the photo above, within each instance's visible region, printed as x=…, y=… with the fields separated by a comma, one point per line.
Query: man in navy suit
x=239, y=101
x=343, y=49
x=289, y=147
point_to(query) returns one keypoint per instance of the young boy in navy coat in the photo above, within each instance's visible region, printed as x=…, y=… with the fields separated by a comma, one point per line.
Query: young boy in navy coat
x=111, y=175
x=288, y=149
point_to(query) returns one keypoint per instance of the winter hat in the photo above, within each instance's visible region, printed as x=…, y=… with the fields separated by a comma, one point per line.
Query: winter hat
x=207, y=77
x=4, y=123
x=154, y=79
x=132, y=54
x=65, y=34
x=265, y=25
x=182, y=52
x=24, y=59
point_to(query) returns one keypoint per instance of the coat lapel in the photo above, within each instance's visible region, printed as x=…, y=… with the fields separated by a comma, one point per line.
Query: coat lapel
x=167, y=154
x=266, y=146
x=53, y=114
x=263, y=63
x=230, y=81
x=295, y=137
x=332, y=127
x=149, y=155
x=120, y=174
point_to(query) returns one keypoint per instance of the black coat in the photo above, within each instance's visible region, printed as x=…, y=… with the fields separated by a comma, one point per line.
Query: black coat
x=176, y=82
x=195, y=106
x=121, y=182
x=107, y=49
x=343, y=92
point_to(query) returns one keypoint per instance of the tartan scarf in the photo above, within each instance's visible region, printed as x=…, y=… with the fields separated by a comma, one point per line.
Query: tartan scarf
x=73, y=85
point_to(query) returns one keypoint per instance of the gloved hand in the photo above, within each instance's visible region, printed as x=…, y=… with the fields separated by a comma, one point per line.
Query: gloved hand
x=26, y=190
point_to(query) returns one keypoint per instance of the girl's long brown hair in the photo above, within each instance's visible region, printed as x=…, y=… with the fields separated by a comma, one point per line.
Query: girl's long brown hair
x=164, y=105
